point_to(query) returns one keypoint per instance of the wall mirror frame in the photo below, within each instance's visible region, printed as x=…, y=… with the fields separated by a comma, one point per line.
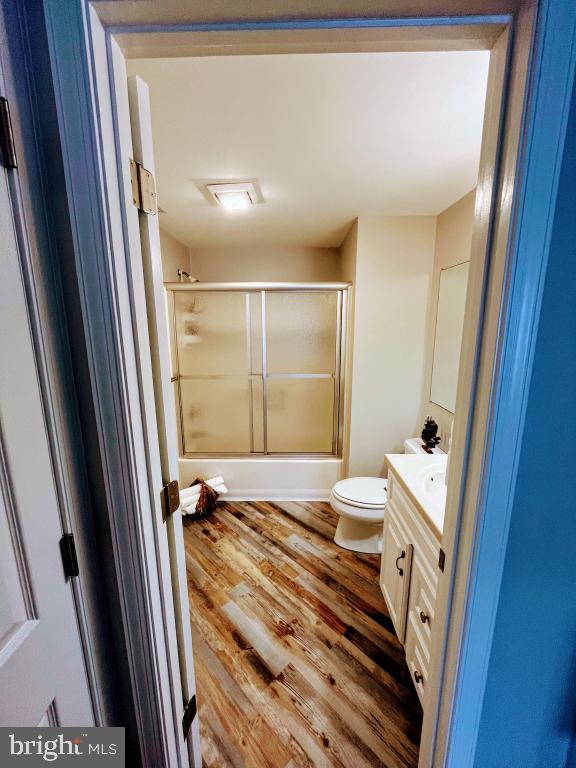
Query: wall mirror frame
x=451, y=303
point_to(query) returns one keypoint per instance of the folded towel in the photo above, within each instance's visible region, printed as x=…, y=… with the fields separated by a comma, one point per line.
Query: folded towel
x=189, y=507
x=206, y=501
x=188, y=498
x=194, y=490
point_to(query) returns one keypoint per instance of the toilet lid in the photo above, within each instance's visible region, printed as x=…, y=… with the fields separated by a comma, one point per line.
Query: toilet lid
x=368, y=491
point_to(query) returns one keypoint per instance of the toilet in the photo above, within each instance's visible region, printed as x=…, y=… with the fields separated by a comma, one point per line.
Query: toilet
x=360, y=503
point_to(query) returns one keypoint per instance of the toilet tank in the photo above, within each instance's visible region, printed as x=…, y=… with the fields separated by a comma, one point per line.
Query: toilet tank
x=414, y=445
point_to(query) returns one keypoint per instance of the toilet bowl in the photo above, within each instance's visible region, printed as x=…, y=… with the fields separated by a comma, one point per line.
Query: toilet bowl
x=360, y=502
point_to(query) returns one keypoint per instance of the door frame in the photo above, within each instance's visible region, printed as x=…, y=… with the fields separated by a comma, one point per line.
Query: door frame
x=486, y=446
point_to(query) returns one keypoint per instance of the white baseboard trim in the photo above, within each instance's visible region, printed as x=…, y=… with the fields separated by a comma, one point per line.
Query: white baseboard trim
x=259, y=494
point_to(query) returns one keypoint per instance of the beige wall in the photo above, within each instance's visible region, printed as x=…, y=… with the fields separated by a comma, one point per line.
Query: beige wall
x=175, y=255
x=348, y=253
x=392, y=282
x=453, y=244
x=265, y=264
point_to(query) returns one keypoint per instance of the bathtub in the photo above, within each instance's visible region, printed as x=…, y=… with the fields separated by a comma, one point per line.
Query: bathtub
x=266, y=477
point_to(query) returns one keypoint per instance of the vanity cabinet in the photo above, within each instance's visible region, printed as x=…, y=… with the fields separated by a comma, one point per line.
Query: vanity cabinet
x=395, y=572
x=409, y=578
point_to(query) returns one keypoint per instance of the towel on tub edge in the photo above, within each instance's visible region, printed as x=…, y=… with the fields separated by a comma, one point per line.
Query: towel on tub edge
x=205, y=501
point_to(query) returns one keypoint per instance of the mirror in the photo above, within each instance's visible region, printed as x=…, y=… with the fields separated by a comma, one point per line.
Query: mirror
x=449, y=325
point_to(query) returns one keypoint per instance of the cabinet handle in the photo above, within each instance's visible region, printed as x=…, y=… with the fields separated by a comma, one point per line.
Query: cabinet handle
x=400, y=556
x=424, y=617
x=418, y=676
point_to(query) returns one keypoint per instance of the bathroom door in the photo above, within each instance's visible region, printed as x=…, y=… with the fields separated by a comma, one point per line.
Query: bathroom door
x=42, y=672
x=151, y=332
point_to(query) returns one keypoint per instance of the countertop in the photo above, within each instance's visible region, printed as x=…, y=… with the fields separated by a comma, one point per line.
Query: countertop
x=410, y=470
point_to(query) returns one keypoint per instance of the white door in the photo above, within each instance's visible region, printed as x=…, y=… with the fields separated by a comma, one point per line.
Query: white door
x=134, y=129
x=42, y=674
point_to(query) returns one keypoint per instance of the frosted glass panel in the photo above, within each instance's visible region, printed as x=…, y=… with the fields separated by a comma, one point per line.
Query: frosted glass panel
x=301, y=332
x=244, y=389
x=257, y=388
x=211, y=330
x=216, y=415
x=256, y=332
x=176, y=392
x=300, y=415
x=170, y=319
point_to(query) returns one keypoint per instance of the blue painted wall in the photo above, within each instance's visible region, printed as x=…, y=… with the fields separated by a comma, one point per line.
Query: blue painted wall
x=529, y=711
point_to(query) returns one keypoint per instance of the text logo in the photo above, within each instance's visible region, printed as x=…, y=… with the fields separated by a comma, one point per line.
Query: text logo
x=63, y=746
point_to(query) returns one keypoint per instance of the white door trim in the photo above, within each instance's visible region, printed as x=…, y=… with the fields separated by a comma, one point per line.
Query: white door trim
x=104, y=298
x=131, y=125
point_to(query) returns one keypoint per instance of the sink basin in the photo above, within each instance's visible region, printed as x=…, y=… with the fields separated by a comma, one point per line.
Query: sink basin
x=435, y=481
x=432, y=487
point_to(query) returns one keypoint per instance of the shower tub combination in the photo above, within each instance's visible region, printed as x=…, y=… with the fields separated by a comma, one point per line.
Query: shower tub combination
x=258, y=376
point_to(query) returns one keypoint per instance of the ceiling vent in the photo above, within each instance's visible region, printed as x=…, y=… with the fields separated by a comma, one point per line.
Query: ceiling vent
x=234, y=196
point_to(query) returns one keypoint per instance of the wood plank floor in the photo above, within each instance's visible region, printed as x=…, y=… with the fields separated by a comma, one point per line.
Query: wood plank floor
x=297, y=662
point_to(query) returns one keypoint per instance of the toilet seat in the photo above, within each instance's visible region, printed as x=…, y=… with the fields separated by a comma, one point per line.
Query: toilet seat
x=356, y=512
x=362, y=492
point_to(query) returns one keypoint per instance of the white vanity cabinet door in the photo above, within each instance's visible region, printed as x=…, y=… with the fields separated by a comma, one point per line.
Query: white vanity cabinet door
x=395, y=571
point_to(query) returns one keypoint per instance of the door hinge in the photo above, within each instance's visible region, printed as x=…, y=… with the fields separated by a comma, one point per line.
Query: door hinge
x=189, y=715
x=170, y=499
x=441, y=559
x=7, y=146
x=69, y=558
x=143, y=188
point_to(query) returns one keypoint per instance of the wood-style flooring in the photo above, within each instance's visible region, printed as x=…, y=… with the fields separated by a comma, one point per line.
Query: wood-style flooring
x=297, y=663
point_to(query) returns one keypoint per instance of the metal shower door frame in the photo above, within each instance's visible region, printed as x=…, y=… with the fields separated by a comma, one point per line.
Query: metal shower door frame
x=338, y=376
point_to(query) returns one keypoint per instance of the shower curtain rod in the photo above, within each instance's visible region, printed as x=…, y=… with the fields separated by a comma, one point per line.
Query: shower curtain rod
x=334, y=286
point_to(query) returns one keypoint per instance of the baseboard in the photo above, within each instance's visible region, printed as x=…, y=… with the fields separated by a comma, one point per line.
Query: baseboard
x=278, y=494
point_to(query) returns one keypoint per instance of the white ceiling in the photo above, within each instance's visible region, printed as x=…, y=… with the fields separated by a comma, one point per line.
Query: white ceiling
x=327, y=136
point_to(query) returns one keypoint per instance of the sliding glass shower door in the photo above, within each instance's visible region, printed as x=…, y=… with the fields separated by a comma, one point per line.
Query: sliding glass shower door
x=258, y=371
x=301, y=330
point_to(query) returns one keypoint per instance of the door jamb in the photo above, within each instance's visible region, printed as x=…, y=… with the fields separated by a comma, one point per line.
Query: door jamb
x=473, y=332
x=102, y=295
